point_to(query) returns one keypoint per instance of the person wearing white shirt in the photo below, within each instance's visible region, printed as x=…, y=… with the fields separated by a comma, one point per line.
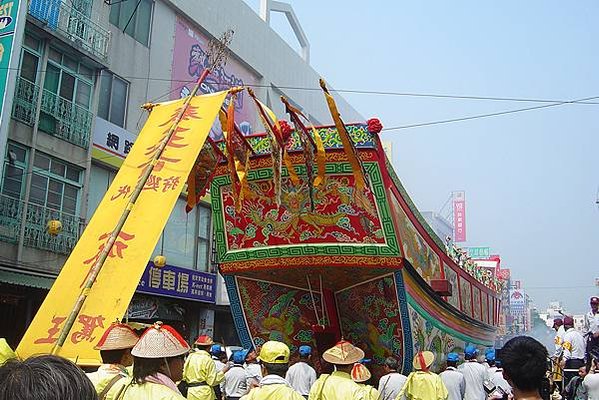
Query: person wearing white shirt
x=301, y=376
x=252, y=369
x=453, y=379
x=591, y=382
x=592, y=324
x=557, y=372
x=235, y=383
x=391, y=384
x=574, y=349
x=475, y=375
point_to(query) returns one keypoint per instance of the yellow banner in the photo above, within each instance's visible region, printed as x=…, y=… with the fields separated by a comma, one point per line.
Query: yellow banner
x=114, y=287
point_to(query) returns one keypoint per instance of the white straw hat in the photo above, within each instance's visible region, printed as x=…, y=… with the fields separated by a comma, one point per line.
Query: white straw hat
x=117, y=337
x=160, y=341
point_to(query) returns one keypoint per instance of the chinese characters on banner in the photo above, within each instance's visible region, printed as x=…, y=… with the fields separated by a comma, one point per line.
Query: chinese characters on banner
x=459, y=217
x=178, y=282
x=119, y=277
x=517, y=302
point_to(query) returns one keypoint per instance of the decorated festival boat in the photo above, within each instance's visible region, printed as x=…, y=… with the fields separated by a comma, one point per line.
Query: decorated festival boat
x=310, y=264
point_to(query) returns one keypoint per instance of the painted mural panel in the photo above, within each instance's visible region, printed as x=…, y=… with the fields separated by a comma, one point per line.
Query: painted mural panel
x=370, y=318
x=452, y=277
x=336, y=218
x=465, y=289
x=416, y=250
x=276, y=312
x=190, y=59
x=427, y=336
x=476, y=303
x=485, y=308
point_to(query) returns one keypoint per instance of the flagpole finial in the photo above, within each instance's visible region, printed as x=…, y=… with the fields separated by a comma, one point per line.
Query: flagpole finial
x=323, y=84
x=250, y=91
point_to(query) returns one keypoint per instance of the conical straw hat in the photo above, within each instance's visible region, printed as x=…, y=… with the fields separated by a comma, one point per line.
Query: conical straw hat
x=359, y=373
x=160, y=341
x=117, y=336
x=343, y=353
x=204, y=340
x=423, y=360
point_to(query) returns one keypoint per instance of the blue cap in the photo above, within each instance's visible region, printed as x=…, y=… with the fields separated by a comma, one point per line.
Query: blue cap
x=470, y=350
x=453, y=357
x=490, y=355
x=240, y=356
x=216, y=349
x=305, y=350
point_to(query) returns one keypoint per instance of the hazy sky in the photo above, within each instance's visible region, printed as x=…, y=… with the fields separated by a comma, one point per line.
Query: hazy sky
x=531, y=178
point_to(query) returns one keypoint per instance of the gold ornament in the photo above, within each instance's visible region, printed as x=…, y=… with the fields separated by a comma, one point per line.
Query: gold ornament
x=159, y=261
x=54, y=227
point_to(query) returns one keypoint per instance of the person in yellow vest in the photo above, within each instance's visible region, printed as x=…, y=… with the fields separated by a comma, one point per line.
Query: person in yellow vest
x=274, y=359
x=339, y=385
x=158, y=359
x=423, y=384
x=6, y=353
x=115, y=350
x=360, y=374
x=200, y=371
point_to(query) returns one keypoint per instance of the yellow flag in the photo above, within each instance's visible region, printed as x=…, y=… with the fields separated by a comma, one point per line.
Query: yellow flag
x=110, y=295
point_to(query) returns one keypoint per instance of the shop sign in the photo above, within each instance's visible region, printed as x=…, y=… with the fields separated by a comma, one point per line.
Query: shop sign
x=481, y=253
x=180, y=283
x=110, y=140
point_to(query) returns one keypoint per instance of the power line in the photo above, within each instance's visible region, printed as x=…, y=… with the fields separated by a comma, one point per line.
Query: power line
x=495, y=114
x=353, y=91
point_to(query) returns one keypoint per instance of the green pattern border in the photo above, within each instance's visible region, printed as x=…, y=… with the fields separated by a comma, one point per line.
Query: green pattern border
x=424, y=314
x=390, y=249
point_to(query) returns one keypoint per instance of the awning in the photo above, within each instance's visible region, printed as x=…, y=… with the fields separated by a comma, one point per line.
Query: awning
x=25, y=279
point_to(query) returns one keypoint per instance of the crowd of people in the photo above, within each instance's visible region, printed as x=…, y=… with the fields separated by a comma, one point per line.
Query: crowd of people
x=161, y=365
x=576, y=357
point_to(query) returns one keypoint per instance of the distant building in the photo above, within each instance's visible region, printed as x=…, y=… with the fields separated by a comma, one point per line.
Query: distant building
x=440, y=225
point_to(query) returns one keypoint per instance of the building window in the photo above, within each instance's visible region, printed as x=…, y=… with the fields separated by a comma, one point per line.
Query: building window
x=15, y=166
x=55, y=184
x=137, y=15
x=204, y=215
x=113, y=98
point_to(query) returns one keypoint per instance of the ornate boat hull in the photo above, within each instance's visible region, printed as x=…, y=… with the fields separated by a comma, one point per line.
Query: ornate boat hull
x=361, y=266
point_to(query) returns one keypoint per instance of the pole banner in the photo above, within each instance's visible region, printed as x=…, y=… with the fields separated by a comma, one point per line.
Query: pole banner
x=110, y=295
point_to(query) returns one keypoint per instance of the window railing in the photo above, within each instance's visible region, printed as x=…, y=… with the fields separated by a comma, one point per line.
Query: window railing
x=36, y=219
x=25, y=100
x=70, y=121
x=74, y=25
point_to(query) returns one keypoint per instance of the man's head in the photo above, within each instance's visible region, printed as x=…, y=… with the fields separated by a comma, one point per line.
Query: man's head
x=204, y=342
x=568, y=322
x=116, y=343
x=305, y=352
x=582, y=372
x=391, y=365
x=594, y=304
x=490, y=357
x=274, y=357
x=239, y=356
x=470, y=352
x=557, y=323
x=524, y=362
x=44, y=378
x=452, y=359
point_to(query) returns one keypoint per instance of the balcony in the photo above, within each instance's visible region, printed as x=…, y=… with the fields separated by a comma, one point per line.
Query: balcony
x=58, y=116
x=36, y=217
x=74, y=26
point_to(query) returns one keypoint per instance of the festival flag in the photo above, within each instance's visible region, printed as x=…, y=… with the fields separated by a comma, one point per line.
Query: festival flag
x=109, y=296
x=238, y=153
x=278, y=146
x=202, y=172
x=313, y=148
x=348, y=145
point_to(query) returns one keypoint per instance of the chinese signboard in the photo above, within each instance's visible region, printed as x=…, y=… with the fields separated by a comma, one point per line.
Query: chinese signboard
x=9, y=41
x=178, y=282
x=111, y=143
x=517, y=302
x=459, y=216
x=478, y=252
